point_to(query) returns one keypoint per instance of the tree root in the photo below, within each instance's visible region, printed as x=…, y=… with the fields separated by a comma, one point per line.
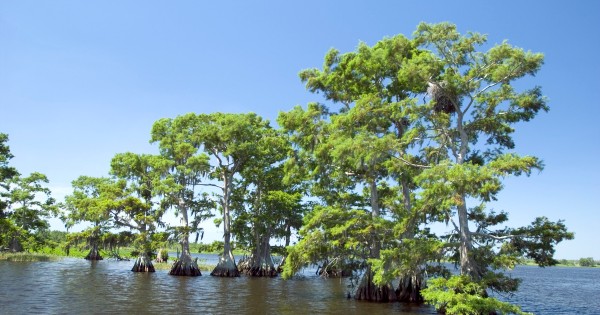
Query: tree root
x=189, y=269
x=94, y=254
x=143, y=264
x=368, y=291
x=409, y=289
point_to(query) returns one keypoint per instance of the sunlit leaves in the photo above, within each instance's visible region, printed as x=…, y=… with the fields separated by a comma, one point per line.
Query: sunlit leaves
x=460, y=295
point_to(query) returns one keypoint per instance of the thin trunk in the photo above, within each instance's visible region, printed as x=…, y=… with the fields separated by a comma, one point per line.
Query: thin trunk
x=376, y=248
x=162, y=256
x=410, y=284
x=467, y=264
x=288, y=233
x=185, y=266
x=226, y=266
x=367, y=290
x=143, y=263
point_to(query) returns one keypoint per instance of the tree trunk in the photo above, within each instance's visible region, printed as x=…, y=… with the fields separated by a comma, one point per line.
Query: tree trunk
x=185, y=266
x=226, y=266
x=260, y=263
x=94, y=253
x=368, y=291
x=15, y=244
x=288, y=234
x=143, y=264
x=410, y=285
x=162, y=256
x=409, y=289
x=467, y=264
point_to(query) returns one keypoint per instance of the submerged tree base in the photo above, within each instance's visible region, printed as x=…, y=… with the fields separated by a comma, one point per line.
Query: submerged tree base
x=409, y=289
x=225, y=268
x=368, y=291
x=94, y=254
x=181, y=268
x=254, y=268
x=143, y=264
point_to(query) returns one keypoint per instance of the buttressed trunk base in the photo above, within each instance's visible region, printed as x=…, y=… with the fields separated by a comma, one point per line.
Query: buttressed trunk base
x=226, y=267
x=409, y=289
x=94, y=254
x=185, y=266
x=143, y=264
x=368, y=291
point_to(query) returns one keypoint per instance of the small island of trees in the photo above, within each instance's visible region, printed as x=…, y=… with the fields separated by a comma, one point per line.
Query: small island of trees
x=414, y=132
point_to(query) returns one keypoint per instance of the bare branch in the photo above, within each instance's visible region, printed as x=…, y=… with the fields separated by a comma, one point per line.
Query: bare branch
x=409, y=163
x=211, y=185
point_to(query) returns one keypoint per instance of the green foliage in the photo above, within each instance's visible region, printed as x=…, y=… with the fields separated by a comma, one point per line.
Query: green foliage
x=20, y=257
x=418, y=162
x=537, y=241
x=25, y=205
x=214, y=247
x=587, y=262
x=460, y=295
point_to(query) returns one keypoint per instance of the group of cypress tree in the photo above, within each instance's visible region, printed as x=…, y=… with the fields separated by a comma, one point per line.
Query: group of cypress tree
x=415, y=133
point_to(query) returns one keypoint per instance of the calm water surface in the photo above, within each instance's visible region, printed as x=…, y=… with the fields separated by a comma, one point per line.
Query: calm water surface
x=77, y=286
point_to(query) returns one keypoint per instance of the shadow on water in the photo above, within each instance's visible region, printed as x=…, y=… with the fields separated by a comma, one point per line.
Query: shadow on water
x=77, y=286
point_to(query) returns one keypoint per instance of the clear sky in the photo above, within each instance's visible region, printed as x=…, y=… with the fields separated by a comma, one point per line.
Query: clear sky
x=81, y=81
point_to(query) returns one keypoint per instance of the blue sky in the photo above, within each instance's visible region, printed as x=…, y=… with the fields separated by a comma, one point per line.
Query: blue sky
x=81, y=81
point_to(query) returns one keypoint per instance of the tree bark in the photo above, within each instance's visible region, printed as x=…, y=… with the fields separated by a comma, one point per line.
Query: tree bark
x=409, y=285
x=260, y=263
x=409, y=289
x=94, y=254
x=160, y=258
x=143, y=264
x=185, y=266
x=467, y=264
x=15, y=244
x=368, y=291
x=226, y=266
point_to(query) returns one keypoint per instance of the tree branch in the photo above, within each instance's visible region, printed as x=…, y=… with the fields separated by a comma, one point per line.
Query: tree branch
x=409, y=163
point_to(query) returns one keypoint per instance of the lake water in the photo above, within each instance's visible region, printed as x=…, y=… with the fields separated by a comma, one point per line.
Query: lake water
x=77, y=286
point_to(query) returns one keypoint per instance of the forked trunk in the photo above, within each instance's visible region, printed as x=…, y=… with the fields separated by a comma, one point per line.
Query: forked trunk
x=368, y=291
x=143, y=264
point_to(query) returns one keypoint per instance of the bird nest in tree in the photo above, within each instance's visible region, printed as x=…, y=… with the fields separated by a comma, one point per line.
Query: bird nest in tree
x=444, y=99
